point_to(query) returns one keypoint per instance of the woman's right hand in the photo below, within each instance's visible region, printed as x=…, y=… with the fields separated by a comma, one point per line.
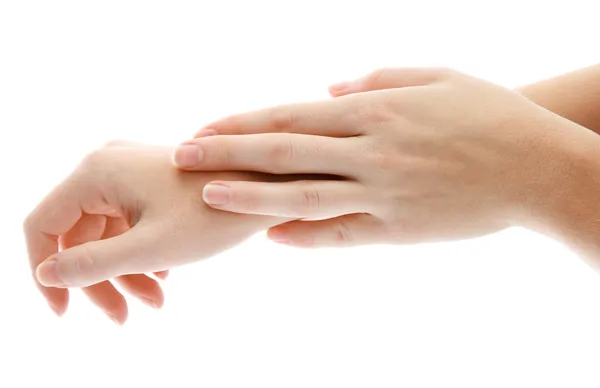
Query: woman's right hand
x=440, y=156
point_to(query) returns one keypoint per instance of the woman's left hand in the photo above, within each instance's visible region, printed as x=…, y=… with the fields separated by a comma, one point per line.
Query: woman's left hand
x=425, y=155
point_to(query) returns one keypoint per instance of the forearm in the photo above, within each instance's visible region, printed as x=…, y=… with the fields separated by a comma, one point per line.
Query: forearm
x=575, y=96
x=563, y=194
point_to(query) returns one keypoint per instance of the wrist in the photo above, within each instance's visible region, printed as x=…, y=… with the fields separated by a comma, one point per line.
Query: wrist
x=561, y=195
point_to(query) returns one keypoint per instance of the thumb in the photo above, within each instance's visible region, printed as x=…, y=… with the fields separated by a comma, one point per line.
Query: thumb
x=390, y=78
x=344, y=231
x=97, y=261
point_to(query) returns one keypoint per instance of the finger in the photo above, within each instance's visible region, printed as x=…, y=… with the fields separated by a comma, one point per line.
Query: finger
x=132, y=252
x=118, y=225
x=344, y=231
x=144, y=288
x=272, y=153
x=298, y=199
x=104, y=295
x=53, y=217
x=140, y=286
x=390, y=78
x=328, y=118
x=162, y=275
x=108, y=299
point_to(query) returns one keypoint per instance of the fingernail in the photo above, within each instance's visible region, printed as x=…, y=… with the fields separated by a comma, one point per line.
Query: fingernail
x=187, y=155
x=150, y=302
x=115, y=320
x=57, y=311
x=339, y=86
x=214, y=194
x=47, y=273
x=278, y=237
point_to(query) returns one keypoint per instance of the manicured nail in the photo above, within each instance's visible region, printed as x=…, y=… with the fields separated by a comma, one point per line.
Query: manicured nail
x=340, y=86
x=215, y=194
x=187, y=155
x=47, y=273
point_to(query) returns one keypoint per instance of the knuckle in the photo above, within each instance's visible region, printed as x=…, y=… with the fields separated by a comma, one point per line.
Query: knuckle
x=281, y=154
x=98, y=166
x=309, y=201
x=83, y=265
x=373, y=80
x=29, y=223
x=344, y=234
x=281, y=119
x=376, y=111
x=94, y=160
x=379, y=159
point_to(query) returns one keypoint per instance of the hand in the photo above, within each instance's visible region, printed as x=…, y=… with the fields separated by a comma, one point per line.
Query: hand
x=123, y=212
x=440, y=156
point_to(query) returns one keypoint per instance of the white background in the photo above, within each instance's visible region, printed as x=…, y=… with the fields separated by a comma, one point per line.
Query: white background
x=513, y=309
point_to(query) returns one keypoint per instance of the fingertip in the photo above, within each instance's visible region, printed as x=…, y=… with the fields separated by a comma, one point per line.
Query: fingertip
x=186, y=156
x=280, y=235
x=58, y=309
x=118, y=319
x=47, y=273
x=339, y=89
x=155, y=303
x=56, y=298
x=216, y=194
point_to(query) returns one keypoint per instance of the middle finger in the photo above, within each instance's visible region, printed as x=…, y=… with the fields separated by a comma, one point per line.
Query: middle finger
x=274, y=153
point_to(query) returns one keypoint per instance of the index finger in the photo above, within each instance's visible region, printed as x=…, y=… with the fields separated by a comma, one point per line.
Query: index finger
x=53, y=217
x=334, y=118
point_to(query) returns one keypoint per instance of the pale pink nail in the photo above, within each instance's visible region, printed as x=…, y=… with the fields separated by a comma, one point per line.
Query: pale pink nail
x=187, y=155
x=216, y=194
x=47, y=273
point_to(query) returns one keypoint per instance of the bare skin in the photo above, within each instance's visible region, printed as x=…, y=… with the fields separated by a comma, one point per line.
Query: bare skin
x=123, y=213
x=574, y=95
x=425, y=155
x=438, y=155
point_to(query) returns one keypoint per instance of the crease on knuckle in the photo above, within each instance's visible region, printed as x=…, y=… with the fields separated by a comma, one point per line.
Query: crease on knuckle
x=83, y=264
x=379, y=158
x=372, y=81
x=344, y=233
x=281, y=155
x=309, y=201
x=281, y=119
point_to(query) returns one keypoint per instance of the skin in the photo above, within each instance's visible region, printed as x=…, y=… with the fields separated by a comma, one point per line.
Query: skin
x=123, y=213
x=574, y=95
x=420, y=155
